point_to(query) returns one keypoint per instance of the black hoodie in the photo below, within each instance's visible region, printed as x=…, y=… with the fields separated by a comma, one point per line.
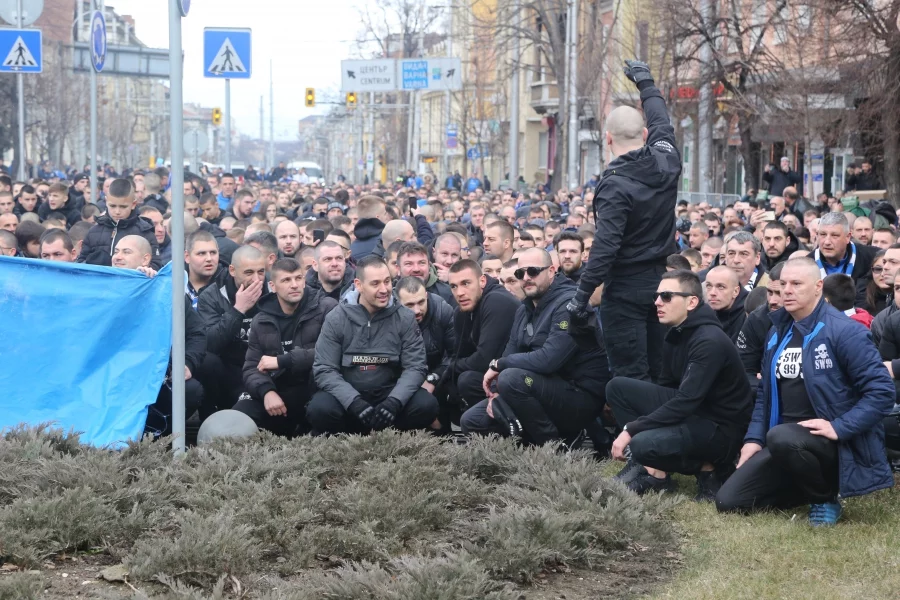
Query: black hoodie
x=368, y=238
x=540, y=341
x=481, y=335
x=102, y=238
x=732, y=318
x=634, y=204
x=227, y=329
x=700, y=360
x=70, y=209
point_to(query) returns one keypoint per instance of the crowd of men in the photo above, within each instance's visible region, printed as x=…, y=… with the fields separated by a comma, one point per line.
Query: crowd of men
x=729, y=343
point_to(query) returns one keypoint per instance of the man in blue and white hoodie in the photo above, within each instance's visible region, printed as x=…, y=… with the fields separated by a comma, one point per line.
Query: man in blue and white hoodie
x=816, y=434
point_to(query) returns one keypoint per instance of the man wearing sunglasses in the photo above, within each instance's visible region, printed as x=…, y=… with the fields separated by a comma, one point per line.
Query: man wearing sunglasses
x=634, y=209
x=693, y=422
x=551, y=382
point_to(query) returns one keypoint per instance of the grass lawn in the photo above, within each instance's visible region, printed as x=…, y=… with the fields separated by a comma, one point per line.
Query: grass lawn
x=770, y=556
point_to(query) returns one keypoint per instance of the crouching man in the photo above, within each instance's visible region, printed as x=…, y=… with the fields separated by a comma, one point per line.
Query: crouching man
x=370, y=362
x=694, y=420
x=816, y=432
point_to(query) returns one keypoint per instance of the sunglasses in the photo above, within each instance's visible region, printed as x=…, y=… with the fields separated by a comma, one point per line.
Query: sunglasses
x=666, y=297
x=878, y=269
x=530, y=271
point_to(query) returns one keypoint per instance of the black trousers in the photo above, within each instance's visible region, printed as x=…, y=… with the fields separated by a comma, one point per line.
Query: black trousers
x=795, y=467
x=631, y=331
x=549, y=408
x=159, y=414
x=328, y=416
x=294, y=422
x=681, y=448
x=223, y=384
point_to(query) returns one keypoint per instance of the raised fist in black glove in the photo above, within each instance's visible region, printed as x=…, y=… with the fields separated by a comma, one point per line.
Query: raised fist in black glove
x=362, y=410
x=578, y=306
x=385, y=413
x=638, y=72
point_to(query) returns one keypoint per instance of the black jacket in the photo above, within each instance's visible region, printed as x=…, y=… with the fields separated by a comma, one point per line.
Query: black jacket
x=70, y=209
x=732, y=319
x=540, y=341
x=374, y=356
x=165, y=251
x=227, y=330
x=634, y=204
x=751, y=343
x=792, y=246
x=194, y=340
x=102, y=238
x=575, y=275
x=157, y=202
x=368, y=236
x=438, y=334
x=19, y=210
x=864, y=182
x=778, y=180
x=700, y=360
x=295, y=355
x=313, y=283
x=879, y=323
x=481, y=335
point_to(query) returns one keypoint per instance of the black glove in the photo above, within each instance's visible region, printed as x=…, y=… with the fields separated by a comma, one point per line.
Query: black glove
x=363, y=411
x=578, y=306
x=385, y=413
x=638, y=72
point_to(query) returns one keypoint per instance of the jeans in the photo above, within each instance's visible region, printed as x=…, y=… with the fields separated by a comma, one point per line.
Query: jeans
x=294, y=422
x=631, y=331
x=680, y=448
x=328, y=416
x=795, y=467
x=549, y=408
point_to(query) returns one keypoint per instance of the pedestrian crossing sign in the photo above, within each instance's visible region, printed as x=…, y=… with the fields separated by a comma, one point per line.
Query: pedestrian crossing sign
x=226, y=53
x=20, y=50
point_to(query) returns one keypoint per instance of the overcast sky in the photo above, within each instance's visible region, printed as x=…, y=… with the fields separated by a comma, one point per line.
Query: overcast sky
x=305, y=39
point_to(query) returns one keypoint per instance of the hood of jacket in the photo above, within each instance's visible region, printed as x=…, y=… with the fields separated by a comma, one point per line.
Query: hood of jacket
x=359, y=315
x=702, y=315
x=366, y=229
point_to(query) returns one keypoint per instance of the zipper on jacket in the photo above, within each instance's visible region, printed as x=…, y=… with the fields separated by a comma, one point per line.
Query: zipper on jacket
x=112, y=242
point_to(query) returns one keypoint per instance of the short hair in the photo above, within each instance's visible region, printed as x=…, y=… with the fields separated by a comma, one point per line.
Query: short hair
x=286, y=265
x=266, y=240
x=394, y=248
x=756, y=298
x=678, y=262
x=327, y=244
x=146, y=209
x=369, y=262
x=570, y=236
x=323, y=224
x=467, y=263
x=121, y=188
x=337, y=232
x=243, y=193
x=28, y=232
x=8, y=238
x=369, y=206
x=245, y=253
x=775, y=272
x=835, y=218
x=808, y=264
x=777, y=225
x=208, y=198
x=839, y=291
x=54, y=235
x=198, y=236
x=745, y=237
x=26, y=189
x=408, y=284
x=527, y=237
x=446, y=236
x=506, y=230
x=224, y=175
x=79, y=231
x=887, y=230
x=716, y=242
x=411, y=248
x=700, y=226
x=339, y=221
x=58, y=188
x=152, y=183
x=692, y=254
x=687, y=281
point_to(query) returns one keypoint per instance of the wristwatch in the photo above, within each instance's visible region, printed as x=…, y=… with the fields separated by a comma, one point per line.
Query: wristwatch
x=432, y=378
x=493, y=365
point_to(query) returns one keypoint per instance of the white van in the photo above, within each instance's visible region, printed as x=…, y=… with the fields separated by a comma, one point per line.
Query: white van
x=313, y=171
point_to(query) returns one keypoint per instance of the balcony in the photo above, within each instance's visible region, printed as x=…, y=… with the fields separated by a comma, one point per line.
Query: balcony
x=544, y=97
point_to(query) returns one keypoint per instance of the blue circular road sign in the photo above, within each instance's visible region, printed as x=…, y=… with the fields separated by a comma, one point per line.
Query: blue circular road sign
x=98, y=40
x=185, y=6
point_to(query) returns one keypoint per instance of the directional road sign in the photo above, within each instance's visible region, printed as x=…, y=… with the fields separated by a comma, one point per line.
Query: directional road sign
x=430, y=74
x=98, y=40
x=379, y=75
x=226, y=53
x=21, y=51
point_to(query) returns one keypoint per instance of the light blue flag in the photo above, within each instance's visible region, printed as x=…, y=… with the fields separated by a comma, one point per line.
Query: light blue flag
x=83, y=346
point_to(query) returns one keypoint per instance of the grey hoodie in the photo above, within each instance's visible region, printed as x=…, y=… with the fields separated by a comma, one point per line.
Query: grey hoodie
x=374, y=356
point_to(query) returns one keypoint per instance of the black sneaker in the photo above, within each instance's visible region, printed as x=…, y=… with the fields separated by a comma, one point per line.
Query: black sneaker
x=645, y=482
x=708, y=485
x=629, y=472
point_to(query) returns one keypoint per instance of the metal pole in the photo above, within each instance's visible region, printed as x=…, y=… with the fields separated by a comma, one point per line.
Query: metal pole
x=177, y=178
x=514, y=105
x=371, y=135
x=20, y=85
x=417, y=97
x=447, y=100
x=262, y=129
x=573, y=152
x=228, y=126
x=271, y=117
x=704, y=118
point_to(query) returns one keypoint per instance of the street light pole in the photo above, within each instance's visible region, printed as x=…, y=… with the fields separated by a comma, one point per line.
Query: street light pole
x=572, y=85
x=514, y=105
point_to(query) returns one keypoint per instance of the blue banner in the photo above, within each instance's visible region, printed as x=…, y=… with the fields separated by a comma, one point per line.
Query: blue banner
x=84, y=347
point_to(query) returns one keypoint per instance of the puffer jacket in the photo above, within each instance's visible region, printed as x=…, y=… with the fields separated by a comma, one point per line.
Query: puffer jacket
x=101, y=239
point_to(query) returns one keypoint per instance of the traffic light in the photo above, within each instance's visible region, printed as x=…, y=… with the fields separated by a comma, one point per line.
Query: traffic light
x=217, y=116
x=310, y=97
x=351, y=99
